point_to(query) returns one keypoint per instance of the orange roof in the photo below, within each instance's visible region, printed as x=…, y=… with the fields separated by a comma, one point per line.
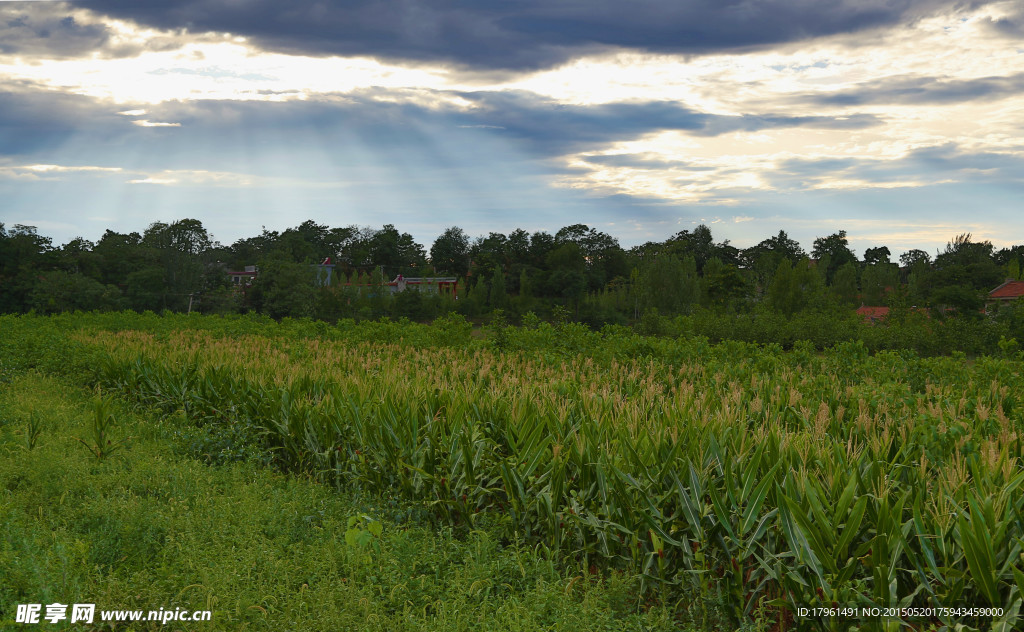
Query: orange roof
x=873, y=313
x=865, y=310
x=1010, y=289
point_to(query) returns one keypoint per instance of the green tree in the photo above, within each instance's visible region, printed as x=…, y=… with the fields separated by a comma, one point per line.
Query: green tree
x=963, y=269
x=145, y=289
x=284, y=288
x=876, y=281
x=961, y=298
x=498, y=296
x=763, y=259
x=875, y=256
x=23, y=253
x=77, y=257
x=489, y=254
x=835, y=248
x=518, y=248
x=914, y=257
x=1011, y=260
x=669, y=285
x=567, y=278
x=1013, y=270
x=844, y=285
x=604, y=258
x=722, y=284
x=475, y=301
x=58, y=291
x=450, y=252
x=306, y=243
x=398, y=253
x=783, y=294
x=180, y=247
x=794, y=287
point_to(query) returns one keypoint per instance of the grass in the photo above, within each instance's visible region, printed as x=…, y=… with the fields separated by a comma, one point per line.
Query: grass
x=151, y=526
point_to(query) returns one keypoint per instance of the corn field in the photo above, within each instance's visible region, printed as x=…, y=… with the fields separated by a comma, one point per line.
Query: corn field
x=771, y=480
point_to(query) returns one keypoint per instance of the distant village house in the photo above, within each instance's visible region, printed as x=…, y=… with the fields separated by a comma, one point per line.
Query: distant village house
x=441, y=285
x=243, y=278
x=1005, y=294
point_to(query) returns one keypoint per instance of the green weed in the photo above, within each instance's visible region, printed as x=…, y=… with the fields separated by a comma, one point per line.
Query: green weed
x=100, y=442
x=33, y=430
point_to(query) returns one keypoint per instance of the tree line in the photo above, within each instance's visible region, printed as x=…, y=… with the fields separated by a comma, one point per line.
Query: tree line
x=576, y=273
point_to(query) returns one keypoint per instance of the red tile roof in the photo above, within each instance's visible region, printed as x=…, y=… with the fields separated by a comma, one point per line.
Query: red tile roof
x=871, y=314
x=1010, y=289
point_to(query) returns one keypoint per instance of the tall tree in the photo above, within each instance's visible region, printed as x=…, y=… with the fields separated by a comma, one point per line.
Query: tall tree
x=450, y=252
x=794, y=287
x=498, y=297
x=877, y=281
x=722, y=285
x=23, y=252
x=489, y=254
x=912, y=257
x=179, y=247
x=397, y=253
x=567, y=267
x=962, y=274
x=669, y=284
x=284, y=288
x=878, y=255
x=764, y=259
x=834, y=250
x=845, y=283
x=58, y=291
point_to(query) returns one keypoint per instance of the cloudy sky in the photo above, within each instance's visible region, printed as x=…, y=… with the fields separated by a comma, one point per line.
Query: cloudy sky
x=899, y=121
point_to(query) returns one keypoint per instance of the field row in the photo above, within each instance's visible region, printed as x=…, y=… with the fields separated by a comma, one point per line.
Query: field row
x=783, y=479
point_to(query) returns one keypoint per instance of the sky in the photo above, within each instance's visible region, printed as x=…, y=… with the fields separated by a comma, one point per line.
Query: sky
x=898, y=121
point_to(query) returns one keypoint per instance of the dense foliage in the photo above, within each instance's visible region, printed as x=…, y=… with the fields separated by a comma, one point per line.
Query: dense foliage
x=578, y=272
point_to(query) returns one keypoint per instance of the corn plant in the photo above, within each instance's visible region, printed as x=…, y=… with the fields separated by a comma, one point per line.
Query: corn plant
x=100, y=443
x=778, y=480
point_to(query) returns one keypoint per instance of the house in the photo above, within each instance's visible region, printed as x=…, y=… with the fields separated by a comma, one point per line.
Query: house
x=441, y=285
x=447, y=286
x=1004, y=294
x=873, y=314
x=324, y=272
x=243, y=278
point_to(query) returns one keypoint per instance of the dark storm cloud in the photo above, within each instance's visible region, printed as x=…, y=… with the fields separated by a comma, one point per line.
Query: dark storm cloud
x=523, y=35
x=928, y=164
x=35, y=120
x=1011, y=25
x=557, y=129
x=539, y=127
x=950, y=158
x=44, y=27
x=49, y=29
x=922, y=91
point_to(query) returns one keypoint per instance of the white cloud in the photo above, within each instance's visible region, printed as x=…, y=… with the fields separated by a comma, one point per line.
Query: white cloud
x=51, y=172
x=145, y=123
x=66, y=168
x=152, y=180
x=227, y=179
